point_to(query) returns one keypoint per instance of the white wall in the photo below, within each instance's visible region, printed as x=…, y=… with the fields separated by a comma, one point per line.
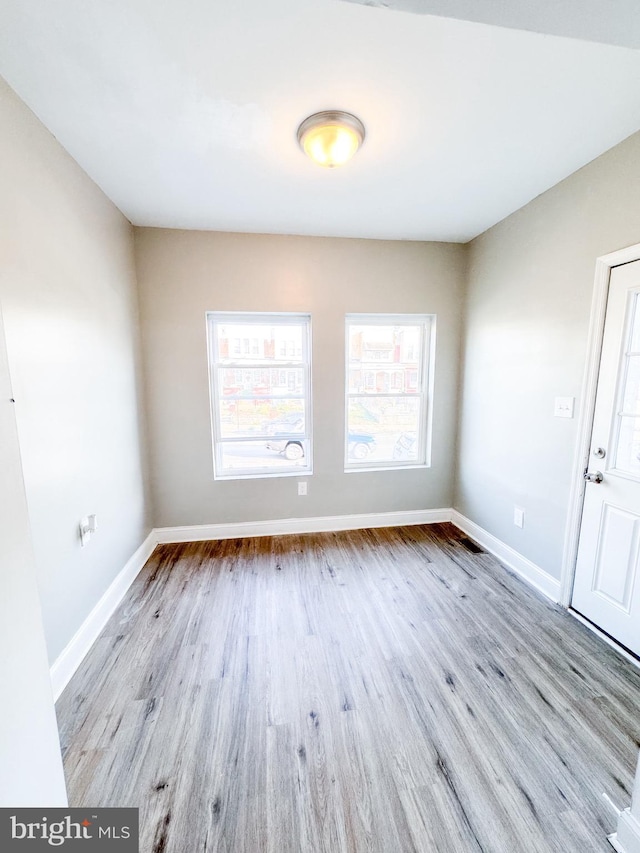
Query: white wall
x=29, y=747
x=530, y=281
x=184, y=274
x=68, y=290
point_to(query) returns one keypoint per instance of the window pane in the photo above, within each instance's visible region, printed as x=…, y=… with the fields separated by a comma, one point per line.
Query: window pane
x=255, y=342
x=384, y=345
x=269, y=381
x=628, y=449
x=635, y=326
x=255, y=457
x=383, y=429
x=631, y=396
x=245, y=418
x=391, y=379
x=386, y=390
x=260, y=402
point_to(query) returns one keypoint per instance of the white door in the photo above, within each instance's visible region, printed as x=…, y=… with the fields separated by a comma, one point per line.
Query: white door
x=31, y=767
x=607, y=587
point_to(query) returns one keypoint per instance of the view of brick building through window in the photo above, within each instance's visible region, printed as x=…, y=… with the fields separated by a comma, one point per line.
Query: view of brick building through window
x=260, y=393
x=387, y=390
x=400, y=351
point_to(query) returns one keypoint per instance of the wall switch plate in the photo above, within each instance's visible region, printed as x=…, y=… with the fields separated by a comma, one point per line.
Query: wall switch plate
x=84, y=531
x=563, y=407
x=518, y=516
x=302, y=488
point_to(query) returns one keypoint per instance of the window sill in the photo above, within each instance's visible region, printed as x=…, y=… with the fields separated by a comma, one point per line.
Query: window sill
x=363, y=469
x=303, y=472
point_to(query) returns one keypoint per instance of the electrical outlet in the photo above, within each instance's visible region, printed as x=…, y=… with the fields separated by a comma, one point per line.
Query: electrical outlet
x=302, y=488
x=518, y=516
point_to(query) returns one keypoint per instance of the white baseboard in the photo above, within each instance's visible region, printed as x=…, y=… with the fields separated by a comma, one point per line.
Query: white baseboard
x=627, y=838
x=527, y=570
x=73, y=654
x=319, y=524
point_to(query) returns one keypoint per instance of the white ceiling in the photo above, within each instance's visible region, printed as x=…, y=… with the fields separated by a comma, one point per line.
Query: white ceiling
x=185, y=111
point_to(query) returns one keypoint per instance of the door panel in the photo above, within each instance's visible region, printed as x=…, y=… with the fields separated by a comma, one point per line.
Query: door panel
x=617, y=558
x=606, y=588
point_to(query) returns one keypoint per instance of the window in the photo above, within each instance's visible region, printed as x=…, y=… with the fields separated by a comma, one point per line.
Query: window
x=260, y=395
x=389, y=373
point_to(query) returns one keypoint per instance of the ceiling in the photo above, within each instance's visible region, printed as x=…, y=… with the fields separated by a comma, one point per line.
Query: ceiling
x=185, y=113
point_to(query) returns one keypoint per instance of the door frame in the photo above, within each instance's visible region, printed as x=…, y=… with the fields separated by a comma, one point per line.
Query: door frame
x=604, y=265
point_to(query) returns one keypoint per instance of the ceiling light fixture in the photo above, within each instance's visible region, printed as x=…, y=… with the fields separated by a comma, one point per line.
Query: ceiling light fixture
x=330, y=138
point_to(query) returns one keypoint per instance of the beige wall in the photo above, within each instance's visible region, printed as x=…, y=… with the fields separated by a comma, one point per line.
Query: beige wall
x=529, y=289
x=184, y=274
x=68, y=293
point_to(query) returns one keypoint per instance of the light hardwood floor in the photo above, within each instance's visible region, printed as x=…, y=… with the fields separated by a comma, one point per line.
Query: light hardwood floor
x=378, y=690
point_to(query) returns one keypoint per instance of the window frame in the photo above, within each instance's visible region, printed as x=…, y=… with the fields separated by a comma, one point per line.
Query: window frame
x=425, y=384
x=215, y=319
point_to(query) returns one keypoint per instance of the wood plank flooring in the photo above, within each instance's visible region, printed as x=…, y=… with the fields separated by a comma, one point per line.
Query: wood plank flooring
x=388, y=691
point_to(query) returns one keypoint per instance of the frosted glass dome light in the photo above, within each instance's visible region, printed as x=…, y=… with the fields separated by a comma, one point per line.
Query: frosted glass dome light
x=330, y=138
